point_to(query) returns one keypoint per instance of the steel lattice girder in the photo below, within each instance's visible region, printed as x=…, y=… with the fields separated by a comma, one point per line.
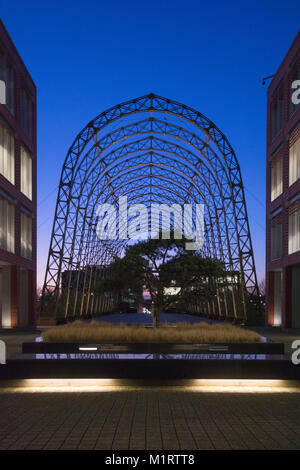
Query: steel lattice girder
x=171, y=153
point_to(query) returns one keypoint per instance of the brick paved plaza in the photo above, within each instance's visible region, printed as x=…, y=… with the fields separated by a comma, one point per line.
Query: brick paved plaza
x=149, y=419
x=154, y=418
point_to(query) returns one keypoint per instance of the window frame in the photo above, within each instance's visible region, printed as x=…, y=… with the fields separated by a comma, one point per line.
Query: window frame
x=11, y=160
x=11, y=81
x=26, y=234
x=277, y=160
x=10, y=231
x=25, y=171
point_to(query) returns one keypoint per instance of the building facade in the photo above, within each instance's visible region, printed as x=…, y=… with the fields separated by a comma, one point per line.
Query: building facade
x=17, y=188
x=283, y=193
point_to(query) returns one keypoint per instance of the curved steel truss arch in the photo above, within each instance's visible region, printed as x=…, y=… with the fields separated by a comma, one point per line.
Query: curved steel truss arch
x=153, y=150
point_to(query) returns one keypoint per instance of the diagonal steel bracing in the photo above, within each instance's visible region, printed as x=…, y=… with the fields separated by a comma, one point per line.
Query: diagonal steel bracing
x=150, y=149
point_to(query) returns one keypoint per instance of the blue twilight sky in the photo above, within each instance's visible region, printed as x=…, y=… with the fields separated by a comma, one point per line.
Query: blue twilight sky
x=87, y=56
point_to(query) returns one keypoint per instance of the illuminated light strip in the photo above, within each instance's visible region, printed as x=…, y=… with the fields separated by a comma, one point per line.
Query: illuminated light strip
x=88, y=349
x=197, y=385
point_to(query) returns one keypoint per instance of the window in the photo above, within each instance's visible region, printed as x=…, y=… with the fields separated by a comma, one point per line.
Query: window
x=7, y=225
x=276, y=236
x=26, y=113
x=26, y=173
x=7, y=75
x=276, y=241
x=276, y=177
x=294, y=170
x=7, y=154
x=276, y=116
x=26, y=236
x=294, y=228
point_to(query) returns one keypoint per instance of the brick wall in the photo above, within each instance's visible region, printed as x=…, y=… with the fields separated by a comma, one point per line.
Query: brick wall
x=290, y=127
x=22, y=80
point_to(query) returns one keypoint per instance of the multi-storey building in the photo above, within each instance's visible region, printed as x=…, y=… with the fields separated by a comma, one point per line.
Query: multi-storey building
x=283, y=193
x=17, y=188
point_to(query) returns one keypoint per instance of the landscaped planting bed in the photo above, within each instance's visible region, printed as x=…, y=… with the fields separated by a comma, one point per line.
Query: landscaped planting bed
x=98, y=332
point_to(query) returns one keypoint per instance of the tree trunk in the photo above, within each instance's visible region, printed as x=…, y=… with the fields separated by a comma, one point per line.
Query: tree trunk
x=157, y=317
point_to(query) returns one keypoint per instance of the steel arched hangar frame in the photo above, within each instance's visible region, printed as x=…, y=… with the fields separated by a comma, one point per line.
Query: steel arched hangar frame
x=154, y=150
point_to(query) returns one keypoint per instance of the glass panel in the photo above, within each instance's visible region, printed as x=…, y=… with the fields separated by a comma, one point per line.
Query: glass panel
x=26, y=236
x=26, y=173
x=7, y=154
x=7, y=75
x=7, y=226
x=276, y=178
x=26, y=113
x=276, y=117
x=294, y=232
x=276, y=241
x=294, y=169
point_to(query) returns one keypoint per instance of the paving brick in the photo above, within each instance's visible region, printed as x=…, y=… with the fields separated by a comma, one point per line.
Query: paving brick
x=168, y=419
